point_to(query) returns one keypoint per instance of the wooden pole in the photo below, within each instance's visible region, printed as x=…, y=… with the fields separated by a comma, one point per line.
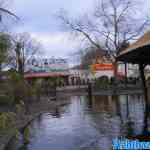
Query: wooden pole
x=90, y=94
x=127, y=103
x=145, y=90
x=141, y=67
x=125, y=74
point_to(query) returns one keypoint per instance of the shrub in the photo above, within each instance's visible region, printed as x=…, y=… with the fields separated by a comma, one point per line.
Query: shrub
x=7, y=120
x=102, y=82
x=18, y=88
x=26, y=135
x=6, y=100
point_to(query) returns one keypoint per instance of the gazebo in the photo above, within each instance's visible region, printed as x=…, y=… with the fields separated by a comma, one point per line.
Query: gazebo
x=139, y=53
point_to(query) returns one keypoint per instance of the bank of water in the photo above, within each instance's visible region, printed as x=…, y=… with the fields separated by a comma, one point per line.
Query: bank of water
x=85, y=124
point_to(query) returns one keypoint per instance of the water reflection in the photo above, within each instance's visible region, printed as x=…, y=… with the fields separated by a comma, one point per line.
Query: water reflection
x=24, y=147
x=87, y=123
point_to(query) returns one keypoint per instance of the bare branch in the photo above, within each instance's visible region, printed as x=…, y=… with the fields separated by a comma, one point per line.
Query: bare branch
x=111, y=24
x=9, y=12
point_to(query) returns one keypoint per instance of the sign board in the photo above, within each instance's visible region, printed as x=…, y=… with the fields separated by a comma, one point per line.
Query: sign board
x=102, y=67
x=47, y=65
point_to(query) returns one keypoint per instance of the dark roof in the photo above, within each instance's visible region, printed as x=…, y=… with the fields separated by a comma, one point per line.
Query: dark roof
x=138, y=52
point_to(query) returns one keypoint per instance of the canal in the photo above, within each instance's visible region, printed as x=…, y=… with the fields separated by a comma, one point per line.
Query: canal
x=85, y=124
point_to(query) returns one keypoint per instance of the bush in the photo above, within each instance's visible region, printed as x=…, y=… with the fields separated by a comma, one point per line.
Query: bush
x=6, y=100
x=102, y=82
x=7, y=120
x=18, y=88
x=26, y=135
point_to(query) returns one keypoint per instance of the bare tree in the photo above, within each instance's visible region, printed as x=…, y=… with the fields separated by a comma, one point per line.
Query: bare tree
x=24, y=49
x=110, y=26
x=90, y=55
x=5, y=46
x=5, y=40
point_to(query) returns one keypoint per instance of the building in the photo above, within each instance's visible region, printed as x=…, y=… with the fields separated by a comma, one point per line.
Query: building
x=45, y=68
x=47, y=65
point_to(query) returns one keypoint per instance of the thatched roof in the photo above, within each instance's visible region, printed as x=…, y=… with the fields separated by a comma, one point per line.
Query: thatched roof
x=138, y=51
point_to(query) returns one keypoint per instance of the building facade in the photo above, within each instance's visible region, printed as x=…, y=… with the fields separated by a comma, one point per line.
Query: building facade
x=47, y=65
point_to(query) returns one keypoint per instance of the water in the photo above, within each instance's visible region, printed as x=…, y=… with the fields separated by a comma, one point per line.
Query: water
x=84, y=124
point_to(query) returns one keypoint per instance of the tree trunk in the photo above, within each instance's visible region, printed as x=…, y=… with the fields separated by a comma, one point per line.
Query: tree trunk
x=20, y=59
x=115, y=64
x=141, y=68
x=145, y=90
x=20, y=67
x=0, y=72
x=125, y=74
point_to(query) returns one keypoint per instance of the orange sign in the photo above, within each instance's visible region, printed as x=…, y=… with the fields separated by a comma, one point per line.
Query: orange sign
x=100, y=67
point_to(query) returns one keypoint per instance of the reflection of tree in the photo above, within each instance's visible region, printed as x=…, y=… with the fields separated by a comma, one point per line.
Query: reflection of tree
x=139, y=100
x=103, y=118
x=24, y=147
x=127, y=105
x=90, y=102
x=104, y=104
x=106, y=125
x=129, y=128
x=145, y=125
x=118, y=107
x=144, y=136
x=57, y=113
x=38, y=122
x=131, y=123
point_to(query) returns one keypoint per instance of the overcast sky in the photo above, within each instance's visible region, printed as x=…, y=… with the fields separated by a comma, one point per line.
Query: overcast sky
x=38, y=18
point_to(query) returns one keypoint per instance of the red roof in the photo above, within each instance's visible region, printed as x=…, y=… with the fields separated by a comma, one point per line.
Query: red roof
x=45, y=75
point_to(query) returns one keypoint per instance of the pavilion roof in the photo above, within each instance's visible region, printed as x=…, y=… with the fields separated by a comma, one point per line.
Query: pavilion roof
x=138, y=52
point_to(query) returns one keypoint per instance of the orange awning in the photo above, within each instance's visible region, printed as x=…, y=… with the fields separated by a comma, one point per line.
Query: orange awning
x=101, y=67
